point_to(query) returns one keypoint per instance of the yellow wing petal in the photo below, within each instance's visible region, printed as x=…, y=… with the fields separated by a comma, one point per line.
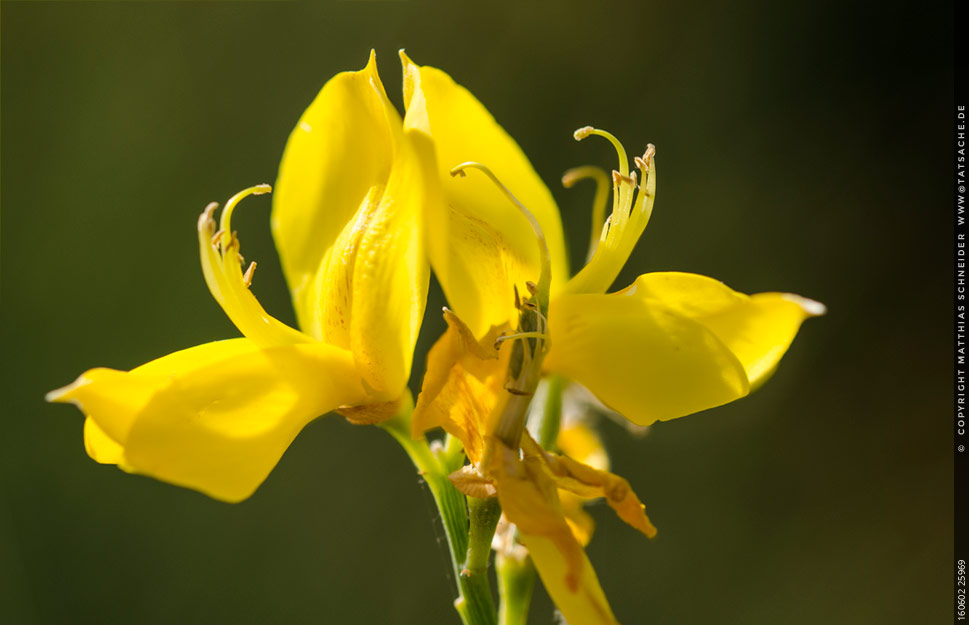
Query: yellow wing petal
x=343, y=145
x=479, y=243
x=757, y=329
x=216, y=417
x=645, y=361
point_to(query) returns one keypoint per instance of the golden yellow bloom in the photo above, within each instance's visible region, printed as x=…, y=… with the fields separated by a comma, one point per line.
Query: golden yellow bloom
x=668, y=345
x=347, y=222
x=707, y=345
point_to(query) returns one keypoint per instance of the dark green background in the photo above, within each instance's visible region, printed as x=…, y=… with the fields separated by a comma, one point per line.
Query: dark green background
x=803, y=146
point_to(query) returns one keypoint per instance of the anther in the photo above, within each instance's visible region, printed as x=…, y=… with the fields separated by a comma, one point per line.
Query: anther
x=209, y=211
x=247, y=277
x=569, y=179
x=206, y=223
x=642, y=162
x=532, y=287
x=217, y=237
x=582, y=133
x=618, y=178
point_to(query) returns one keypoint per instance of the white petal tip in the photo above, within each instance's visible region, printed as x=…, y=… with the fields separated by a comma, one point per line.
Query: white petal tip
x=58, y=395
x=811, y=307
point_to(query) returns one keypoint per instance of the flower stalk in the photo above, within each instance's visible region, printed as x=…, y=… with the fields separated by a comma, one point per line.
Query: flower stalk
x=469, y=539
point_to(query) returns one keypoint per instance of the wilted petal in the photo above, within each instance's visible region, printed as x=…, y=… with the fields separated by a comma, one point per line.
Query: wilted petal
x=529, y=499
x=462, y=384
x=586, y=604
x=588, y=482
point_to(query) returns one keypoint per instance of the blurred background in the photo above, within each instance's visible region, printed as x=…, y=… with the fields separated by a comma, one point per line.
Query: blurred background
x=803, y=146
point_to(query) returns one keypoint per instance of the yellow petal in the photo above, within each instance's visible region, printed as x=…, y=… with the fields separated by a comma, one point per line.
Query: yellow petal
x=641, y=359
x=581, y=442
x=586, y=604
x=757, y=329
x=479, y=243
x=343, y=145
x=216, y=417
x=99, y=446
x=391, y=273
x=372, y=283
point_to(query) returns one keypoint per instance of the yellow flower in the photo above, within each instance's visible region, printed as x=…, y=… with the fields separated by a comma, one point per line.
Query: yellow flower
x=666, y=346
x=347, y=222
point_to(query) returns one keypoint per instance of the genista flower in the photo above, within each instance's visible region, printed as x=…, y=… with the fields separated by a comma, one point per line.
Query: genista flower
x=347, y=222
x=668, y=345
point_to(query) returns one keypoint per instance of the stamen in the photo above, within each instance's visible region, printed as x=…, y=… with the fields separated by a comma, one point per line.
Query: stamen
x=587, y=131
x=226, y=219
x=622, y=229
x=519, y=335
x=222, y=267
x=545, y=275
x=247, y=277
x=205, y=219
x=618, y=178
x=622, y=190
x=598, y=203
x=645, y=165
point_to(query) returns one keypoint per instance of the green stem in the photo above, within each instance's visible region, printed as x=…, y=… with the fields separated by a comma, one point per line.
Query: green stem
x=484, y=519
x=516, y=581
x=474, y=603
x=548, y=430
